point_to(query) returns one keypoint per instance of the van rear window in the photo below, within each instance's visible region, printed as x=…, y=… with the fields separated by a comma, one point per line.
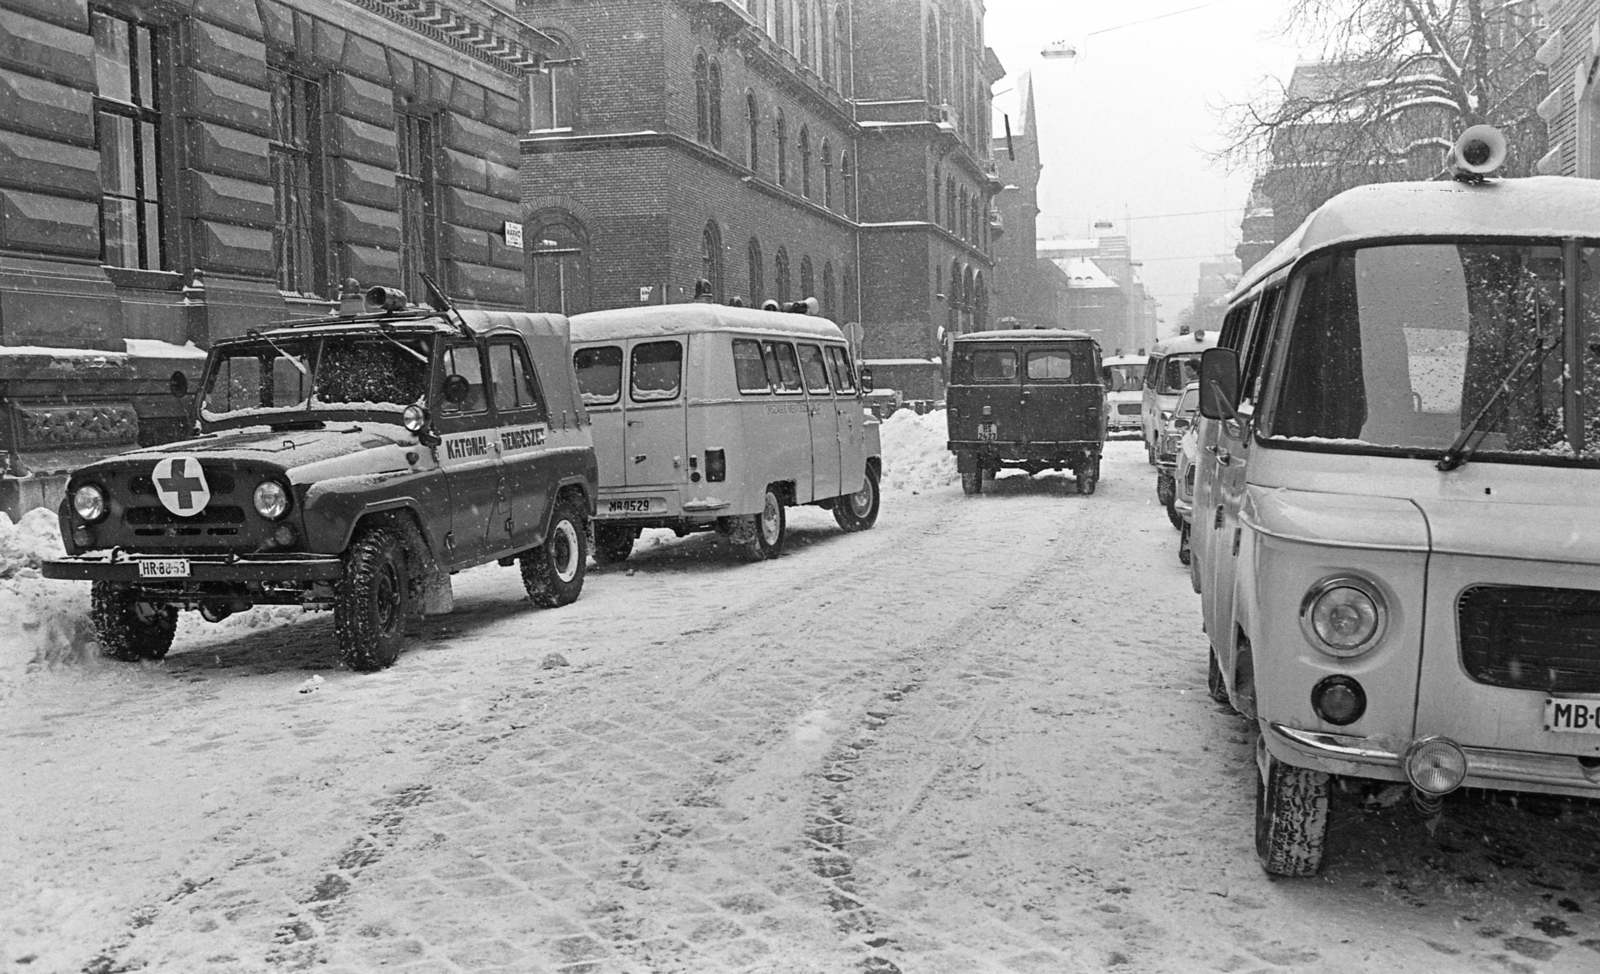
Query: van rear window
x=657, y=372
x=599, y=374
x=748, y=368
x=1050, y=364
x=992, y=365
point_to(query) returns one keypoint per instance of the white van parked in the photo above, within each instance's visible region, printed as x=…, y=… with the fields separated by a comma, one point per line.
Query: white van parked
x=1124, y=381
x=1396, y=527
x=1174, y=363
x=708, y=417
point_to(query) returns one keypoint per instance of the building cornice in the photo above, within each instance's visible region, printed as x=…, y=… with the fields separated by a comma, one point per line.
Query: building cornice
x=476, y=28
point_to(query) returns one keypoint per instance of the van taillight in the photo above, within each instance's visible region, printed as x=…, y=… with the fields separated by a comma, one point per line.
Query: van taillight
x=716, y=465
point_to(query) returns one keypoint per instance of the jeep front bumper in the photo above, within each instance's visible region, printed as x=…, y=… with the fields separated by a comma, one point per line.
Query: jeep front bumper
x=118, y=566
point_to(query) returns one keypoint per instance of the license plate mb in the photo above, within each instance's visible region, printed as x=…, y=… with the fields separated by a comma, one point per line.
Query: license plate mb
x=164, y=568
x=1572, y=716
x=637, y=505
x=988, y=431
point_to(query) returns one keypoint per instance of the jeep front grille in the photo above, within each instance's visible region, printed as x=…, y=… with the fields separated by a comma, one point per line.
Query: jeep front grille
x=1531, y=638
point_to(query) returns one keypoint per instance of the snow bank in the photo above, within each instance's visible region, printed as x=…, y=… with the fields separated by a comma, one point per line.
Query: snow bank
x=915, y=455
x=47, y=621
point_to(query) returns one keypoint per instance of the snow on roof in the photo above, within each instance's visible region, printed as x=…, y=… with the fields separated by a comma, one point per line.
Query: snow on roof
x=660, y=320
x=1197, y=341
x=1026, y=335
x=1084, y=273
x=1532, y=206
x=899, y=361
x=1125, y=360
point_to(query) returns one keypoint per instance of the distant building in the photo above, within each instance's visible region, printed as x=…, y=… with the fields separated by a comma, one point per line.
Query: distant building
x=1022, y=293
x=1104, y=295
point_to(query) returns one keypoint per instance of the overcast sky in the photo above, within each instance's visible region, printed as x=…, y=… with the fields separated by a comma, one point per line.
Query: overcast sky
x=1126, y=126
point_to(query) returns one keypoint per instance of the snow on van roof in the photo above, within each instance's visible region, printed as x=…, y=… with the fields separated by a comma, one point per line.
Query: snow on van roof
x=1532, y=206
x=1125, y=360
x=660, y=320
x=1026, y=335
x=1196, y=341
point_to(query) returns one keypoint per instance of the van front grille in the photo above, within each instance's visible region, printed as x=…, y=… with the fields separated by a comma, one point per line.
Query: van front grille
x=1531, y=638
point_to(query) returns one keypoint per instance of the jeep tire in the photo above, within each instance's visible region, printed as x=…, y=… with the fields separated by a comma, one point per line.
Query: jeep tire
x=372, y=601
x=1291, y=815
x=972, y=483
x=613, y=542
x=127, y=628
x=1087, y=474
x=553, y=572
x=859, y=511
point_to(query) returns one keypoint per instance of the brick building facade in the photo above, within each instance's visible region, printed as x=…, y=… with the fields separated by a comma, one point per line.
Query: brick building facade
x=175, y=171
x=781, y=149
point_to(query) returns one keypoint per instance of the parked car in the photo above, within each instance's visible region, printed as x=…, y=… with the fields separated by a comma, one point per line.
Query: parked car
x=716, y=418
x=1124, y=382
x=1183, y=416
x=1026, y=399
x=1183, y=498
x=1173, y=364
x=1398, y=493
x=350, y=461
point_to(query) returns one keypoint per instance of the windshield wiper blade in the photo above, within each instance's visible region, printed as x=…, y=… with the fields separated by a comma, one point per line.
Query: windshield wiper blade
x=1459, y=452
x=256, y=333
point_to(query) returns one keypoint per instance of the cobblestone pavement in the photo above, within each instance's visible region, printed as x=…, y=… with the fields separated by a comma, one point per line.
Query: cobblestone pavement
x=975, y=738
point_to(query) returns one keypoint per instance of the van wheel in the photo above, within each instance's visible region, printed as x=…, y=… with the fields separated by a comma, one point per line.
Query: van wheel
x=1184, y=555
x=127, y=628
x=859, y=511
x=613, y=543
x=1215, y=687
x=553, y=572
x=1174, y=516
x=1087, y=475
x=972, y=483
x=372, y=602
x=766, y=538
x=1291, y=816
x=1150, y=452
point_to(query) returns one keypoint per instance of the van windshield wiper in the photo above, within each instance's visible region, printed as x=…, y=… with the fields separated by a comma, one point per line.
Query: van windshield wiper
x=256, y=333
x=1460, y=452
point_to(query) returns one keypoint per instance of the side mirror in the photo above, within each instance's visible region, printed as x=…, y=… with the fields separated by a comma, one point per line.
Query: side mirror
x=1219, y=383
x=866, y=379
x=178, y=384
x=456, y=389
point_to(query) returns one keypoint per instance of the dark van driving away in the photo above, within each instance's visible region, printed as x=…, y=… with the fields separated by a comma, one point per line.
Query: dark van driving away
x=1030, y=400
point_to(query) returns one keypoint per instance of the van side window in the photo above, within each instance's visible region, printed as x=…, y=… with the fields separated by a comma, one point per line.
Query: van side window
x=781, y=355
x=993, y=365
x=463, y=360
x=1056, y=364
x=815, y=371
x=514, y=387
x=1254, y=354
x=1150, y=369
x=657, y=374
x=844, y=379
x=599, y=374
x=749, y=369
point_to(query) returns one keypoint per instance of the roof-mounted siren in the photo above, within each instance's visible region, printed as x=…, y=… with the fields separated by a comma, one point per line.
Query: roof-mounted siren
x=386, y=299
x=1479, y=152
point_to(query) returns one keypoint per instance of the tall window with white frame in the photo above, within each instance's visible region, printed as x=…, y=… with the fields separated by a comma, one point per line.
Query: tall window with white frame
x=827, y=175
x=805, y=161
x=128, y=124
x=553, y=92
x=783, y=149
x=300, y=225
x=419, y=202
x=711, y=258
x=714, y=103
x=752, y=121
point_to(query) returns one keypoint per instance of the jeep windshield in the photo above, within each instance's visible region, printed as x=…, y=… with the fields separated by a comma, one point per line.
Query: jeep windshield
x=1425, y=349
x=301, y=379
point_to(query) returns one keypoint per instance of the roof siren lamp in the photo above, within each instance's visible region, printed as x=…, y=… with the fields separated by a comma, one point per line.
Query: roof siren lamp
x=1478, y=153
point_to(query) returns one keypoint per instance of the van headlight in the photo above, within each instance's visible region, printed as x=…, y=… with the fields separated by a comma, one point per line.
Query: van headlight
x=89, y=503
x=1343, y=615
x=271, y=500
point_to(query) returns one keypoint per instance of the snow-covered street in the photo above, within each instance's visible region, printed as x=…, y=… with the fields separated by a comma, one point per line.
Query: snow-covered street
x=974, y=738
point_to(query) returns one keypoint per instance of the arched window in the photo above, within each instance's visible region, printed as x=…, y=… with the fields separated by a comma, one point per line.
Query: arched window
x=780, y=266
x=783, y=150
x=967, y=295
x=711, y=258
x=752, y=121
x=553, y=91
x=758, y=10
x=808, y=281
x=803, y=28
x=980, y=304
x=963, y=204
x=827, y=175
x=702, y=98
x=825, y=44
x=841, y=48
x=805, y=161
x=714, y=103
x=930, y=61
x=780, y=22
x=757, y=285
x=847, y=304
x=952, y=301
x=558, y=263
x=847, y=177
x=950, y=203
x=937, y=179
x=830, y=307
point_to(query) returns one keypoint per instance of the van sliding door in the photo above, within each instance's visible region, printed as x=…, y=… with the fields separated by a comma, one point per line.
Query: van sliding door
x=655, y=435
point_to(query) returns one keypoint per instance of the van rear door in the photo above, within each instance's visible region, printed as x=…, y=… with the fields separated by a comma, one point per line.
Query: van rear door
x=983, y=394
x=1061, y=394
x=655, y=435
x=599, y=369
x=824, y=422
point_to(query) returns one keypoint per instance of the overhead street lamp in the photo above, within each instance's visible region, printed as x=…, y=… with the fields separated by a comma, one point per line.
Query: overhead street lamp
x=1064, y=50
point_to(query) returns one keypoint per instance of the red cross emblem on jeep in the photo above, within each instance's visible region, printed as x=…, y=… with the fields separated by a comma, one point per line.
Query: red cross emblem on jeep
x=181, y=485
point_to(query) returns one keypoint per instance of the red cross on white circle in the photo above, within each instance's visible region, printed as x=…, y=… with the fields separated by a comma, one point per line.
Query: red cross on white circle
x=181, y=485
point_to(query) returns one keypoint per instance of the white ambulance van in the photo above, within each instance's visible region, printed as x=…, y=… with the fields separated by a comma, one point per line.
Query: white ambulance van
x=708, y=417
x=1396, y=525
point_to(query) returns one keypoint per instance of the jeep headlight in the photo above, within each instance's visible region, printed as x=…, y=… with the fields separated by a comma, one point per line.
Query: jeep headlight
x=271, y=500
x=89, y=503
x=1343, y=615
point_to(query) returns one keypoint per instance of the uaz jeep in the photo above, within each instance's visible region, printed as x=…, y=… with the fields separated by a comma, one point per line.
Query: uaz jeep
x=353, y=461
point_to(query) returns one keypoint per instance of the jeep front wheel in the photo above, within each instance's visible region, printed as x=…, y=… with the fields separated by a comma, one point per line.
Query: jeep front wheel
x=129, y=629
x=553, y=572
x=372, y=602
